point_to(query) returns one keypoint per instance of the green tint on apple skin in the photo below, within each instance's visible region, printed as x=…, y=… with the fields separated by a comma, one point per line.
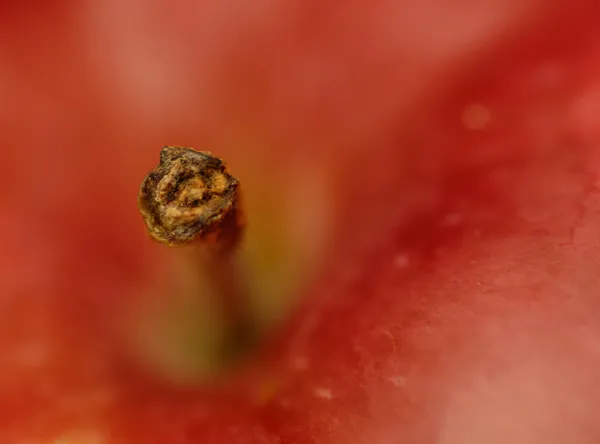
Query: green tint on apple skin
x=238, y=273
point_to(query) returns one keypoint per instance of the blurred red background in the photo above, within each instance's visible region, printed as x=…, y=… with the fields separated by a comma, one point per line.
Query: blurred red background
x=426, y=170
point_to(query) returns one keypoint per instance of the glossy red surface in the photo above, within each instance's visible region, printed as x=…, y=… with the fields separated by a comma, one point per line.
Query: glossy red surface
x=457, y=298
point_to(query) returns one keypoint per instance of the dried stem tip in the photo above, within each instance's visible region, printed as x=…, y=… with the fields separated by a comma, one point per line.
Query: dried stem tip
x=190, y=195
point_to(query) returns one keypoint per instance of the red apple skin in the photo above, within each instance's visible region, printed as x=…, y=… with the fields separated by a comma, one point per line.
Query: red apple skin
x=458, y=299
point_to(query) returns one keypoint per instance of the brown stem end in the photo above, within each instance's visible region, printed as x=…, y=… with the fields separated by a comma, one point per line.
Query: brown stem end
x=189, y=196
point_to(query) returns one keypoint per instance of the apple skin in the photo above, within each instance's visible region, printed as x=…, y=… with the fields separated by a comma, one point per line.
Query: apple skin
x=457, y=151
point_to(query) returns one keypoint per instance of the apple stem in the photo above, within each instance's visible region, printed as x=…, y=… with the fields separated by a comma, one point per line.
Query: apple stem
x=190, y=200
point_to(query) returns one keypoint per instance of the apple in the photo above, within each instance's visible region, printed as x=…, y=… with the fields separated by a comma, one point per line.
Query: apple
x=420, y=179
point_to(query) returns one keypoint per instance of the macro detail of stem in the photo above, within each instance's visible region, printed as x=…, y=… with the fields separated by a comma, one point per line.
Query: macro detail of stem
x=190, y=196
x=191, y=202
